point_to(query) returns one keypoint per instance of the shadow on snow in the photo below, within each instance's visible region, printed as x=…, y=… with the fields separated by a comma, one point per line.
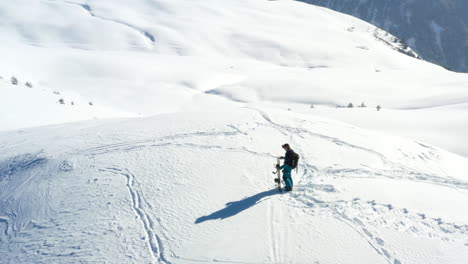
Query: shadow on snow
x=233, y=208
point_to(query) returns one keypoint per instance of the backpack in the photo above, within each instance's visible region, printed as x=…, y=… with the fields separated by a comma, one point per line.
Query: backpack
x=295, y=160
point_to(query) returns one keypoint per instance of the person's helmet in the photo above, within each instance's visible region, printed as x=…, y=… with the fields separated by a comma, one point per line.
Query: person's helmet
x=286, y=146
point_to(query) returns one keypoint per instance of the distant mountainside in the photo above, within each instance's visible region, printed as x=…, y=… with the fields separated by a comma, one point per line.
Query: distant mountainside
x=436, y=29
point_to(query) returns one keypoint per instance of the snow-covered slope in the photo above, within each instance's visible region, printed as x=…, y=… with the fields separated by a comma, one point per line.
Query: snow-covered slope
x=30, y=105
x=436, y=29
x=162, y=56
x=199, y=46
x=181, y=188
x=215, y=88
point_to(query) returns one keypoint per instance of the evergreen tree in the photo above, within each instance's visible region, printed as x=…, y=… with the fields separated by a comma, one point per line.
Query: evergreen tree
x=14, y=80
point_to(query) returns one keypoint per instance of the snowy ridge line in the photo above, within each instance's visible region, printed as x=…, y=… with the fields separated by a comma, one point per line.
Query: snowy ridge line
x=85, y=46
x=394, y=43
x=151, y=39
x=154, y=242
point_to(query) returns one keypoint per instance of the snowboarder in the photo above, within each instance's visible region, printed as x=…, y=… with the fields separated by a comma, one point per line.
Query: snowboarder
x=290, y=162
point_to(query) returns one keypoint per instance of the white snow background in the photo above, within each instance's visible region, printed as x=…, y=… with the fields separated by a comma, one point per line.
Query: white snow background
x=190, y=103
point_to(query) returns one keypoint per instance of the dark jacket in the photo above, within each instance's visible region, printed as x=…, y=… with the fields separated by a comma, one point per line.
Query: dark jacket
x=291, y=158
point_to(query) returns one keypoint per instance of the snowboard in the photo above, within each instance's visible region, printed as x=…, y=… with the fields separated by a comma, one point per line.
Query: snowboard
x=278, y=174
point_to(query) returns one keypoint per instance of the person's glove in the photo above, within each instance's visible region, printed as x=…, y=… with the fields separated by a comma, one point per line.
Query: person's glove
x=281, y=157
x=278, y=166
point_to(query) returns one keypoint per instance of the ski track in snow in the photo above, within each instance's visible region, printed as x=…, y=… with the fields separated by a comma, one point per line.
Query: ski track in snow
x=342, y=209
x=339, y=210
x=366, y=218
x=363, y=217
x=342, y=217
x=399, y=169
x=154, y=241
x=166, y=141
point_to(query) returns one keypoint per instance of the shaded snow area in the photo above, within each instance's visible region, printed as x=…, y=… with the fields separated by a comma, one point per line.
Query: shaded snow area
x=436, y=29
x=179, y=111
x=179, y=188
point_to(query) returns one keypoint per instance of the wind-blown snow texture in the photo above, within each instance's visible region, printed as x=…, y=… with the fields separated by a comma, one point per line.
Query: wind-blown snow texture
x=436, y=29
x=214, y=89
x=180, y=188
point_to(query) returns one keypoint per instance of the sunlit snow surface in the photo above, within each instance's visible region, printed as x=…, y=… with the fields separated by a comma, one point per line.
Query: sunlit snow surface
x=182, y=188
x=152, y=57
x=214, y=89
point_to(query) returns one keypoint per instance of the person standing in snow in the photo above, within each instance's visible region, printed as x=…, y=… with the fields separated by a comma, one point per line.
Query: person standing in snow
x=290, y=162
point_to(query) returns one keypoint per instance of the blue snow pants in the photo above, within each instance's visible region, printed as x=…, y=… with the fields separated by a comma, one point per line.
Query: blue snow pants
x=287, y=176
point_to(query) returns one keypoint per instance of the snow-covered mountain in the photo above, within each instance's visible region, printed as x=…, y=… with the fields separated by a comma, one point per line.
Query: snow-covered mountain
x=202, y=96
x=436, y=29
x=164, y=56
